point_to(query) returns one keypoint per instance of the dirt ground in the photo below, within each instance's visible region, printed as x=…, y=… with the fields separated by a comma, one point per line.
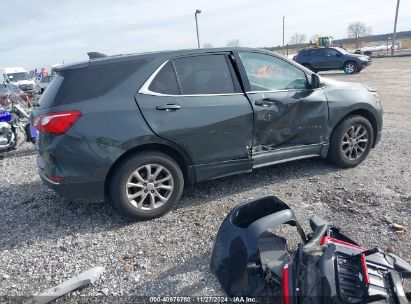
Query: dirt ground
x=45, y=239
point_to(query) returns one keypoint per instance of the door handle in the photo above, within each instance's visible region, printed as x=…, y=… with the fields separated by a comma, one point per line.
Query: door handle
x=265, y=102
x=168, y=107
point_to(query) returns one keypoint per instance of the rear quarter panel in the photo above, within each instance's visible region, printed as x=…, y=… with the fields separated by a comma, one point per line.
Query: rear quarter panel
x=110, y=126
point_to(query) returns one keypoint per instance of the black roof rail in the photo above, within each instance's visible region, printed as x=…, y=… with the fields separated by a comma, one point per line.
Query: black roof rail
x=95, y=55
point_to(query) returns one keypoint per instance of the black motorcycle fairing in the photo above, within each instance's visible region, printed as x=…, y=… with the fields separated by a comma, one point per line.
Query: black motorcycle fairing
x=328, y=267
x=244, y=248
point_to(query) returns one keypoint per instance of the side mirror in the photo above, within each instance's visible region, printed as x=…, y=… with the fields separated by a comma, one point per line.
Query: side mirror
x=315, y=81
x=338, y=55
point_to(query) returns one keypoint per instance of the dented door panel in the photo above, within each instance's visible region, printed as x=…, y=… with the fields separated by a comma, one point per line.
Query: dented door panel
x=288, y=118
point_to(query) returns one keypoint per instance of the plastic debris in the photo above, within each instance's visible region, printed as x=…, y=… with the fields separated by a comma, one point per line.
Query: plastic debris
x=83, y=279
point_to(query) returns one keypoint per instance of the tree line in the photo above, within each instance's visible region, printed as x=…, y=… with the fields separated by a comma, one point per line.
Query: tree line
x=356, y=30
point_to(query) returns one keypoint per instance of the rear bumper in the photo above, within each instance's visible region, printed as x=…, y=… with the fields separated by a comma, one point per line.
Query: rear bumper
x=84, y=191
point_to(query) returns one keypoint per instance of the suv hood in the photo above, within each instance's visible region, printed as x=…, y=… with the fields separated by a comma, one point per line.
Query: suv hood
x=346, y=84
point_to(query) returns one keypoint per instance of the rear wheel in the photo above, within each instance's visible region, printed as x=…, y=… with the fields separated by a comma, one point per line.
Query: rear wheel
x=351, y=142
x=146, y=185
x=350, y=67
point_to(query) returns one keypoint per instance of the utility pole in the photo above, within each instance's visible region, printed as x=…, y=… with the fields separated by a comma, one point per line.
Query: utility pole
x=395, y=28
x=283, y=34
x=198, y=36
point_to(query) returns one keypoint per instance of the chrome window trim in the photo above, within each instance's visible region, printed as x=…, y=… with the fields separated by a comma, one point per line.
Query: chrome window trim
x=146, y=91
x=276, y=91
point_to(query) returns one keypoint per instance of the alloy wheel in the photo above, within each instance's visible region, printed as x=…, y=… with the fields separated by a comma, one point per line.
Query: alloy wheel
x=149, y=187
x=354, y=142
x=350, y=68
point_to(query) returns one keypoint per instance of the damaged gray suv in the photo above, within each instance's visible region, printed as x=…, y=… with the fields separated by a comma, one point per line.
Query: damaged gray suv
x=134, y=129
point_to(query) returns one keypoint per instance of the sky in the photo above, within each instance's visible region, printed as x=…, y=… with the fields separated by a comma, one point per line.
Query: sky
x=35, y=34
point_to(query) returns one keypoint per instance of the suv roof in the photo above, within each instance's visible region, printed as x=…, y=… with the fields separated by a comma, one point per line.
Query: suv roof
x=134, y=56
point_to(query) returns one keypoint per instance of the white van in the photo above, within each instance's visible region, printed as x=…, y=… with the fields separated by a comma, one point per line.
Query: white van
x=19, y=77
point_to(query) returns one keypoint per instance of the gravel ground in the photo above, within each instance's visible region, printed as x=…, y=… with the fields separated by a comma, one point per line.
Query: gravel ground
x=45, y=239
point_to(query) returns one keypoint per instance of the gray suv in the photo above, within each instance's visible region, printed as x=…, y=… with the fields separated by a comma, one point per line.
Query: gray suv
x=332, y=58
x=135, y=129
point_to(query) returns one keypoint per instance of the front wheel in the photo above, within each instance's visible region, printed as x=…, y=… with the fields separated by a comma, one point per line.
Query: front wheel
x=351, y=142
x=146, y=185
x=350, y=67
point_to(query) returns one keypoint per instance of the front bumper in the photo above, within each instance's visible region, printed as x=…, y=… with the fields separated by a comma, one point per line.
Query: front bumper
x=377, y=138
x=363, y=64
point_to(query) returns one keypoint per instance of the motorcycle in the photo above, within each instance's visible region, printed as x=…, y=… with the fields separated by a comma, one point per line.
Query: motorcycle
x=250, y=258
x=14, y=123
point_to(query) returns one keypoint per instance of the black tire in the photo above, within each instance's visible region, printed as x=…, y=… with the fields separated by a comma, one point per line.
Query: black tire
x=118, y=185
x=336, y=154
x=350, y=67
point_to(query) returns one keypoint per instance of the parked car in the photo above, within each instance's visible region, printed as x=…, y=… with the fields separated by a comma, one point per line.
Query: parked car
x=43, y=83
x=367, y=53
x=137, y=128
x=19, y=77
x=332, y=58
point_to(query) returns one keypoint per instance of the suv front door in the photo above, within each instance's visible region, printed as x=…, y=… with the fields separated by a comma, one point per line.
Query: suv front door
x=197, y=103
x=287, y=112
x=333, y=59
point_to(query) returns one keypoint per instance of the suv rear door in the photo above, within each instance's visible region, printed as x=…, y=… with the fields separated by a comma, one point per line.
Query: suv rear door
x=287, y=112
x=317, y=58
x=196, y=101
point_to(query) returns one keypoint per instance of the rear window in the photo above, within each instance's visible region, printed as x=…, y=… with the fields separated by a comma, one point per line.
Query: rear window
x=47, y=99
x=75, y=85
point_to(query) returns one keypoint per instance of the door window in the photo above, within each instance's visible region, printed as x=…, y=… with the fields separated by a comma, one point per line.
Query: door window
x=207, y=74
x=269, y=73
x=331, y=52
x=318, y=52
x=165, y=81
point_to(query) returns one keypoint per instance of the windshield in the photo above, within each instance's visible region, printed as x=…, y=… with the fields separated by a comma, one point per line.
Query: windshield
x=341, y=50
x=18, y=76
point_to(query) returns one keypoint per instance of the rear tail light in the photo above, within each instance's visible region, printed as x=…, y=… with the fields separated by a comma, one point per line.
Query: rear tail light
x=57, y=123
x=295, y=57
